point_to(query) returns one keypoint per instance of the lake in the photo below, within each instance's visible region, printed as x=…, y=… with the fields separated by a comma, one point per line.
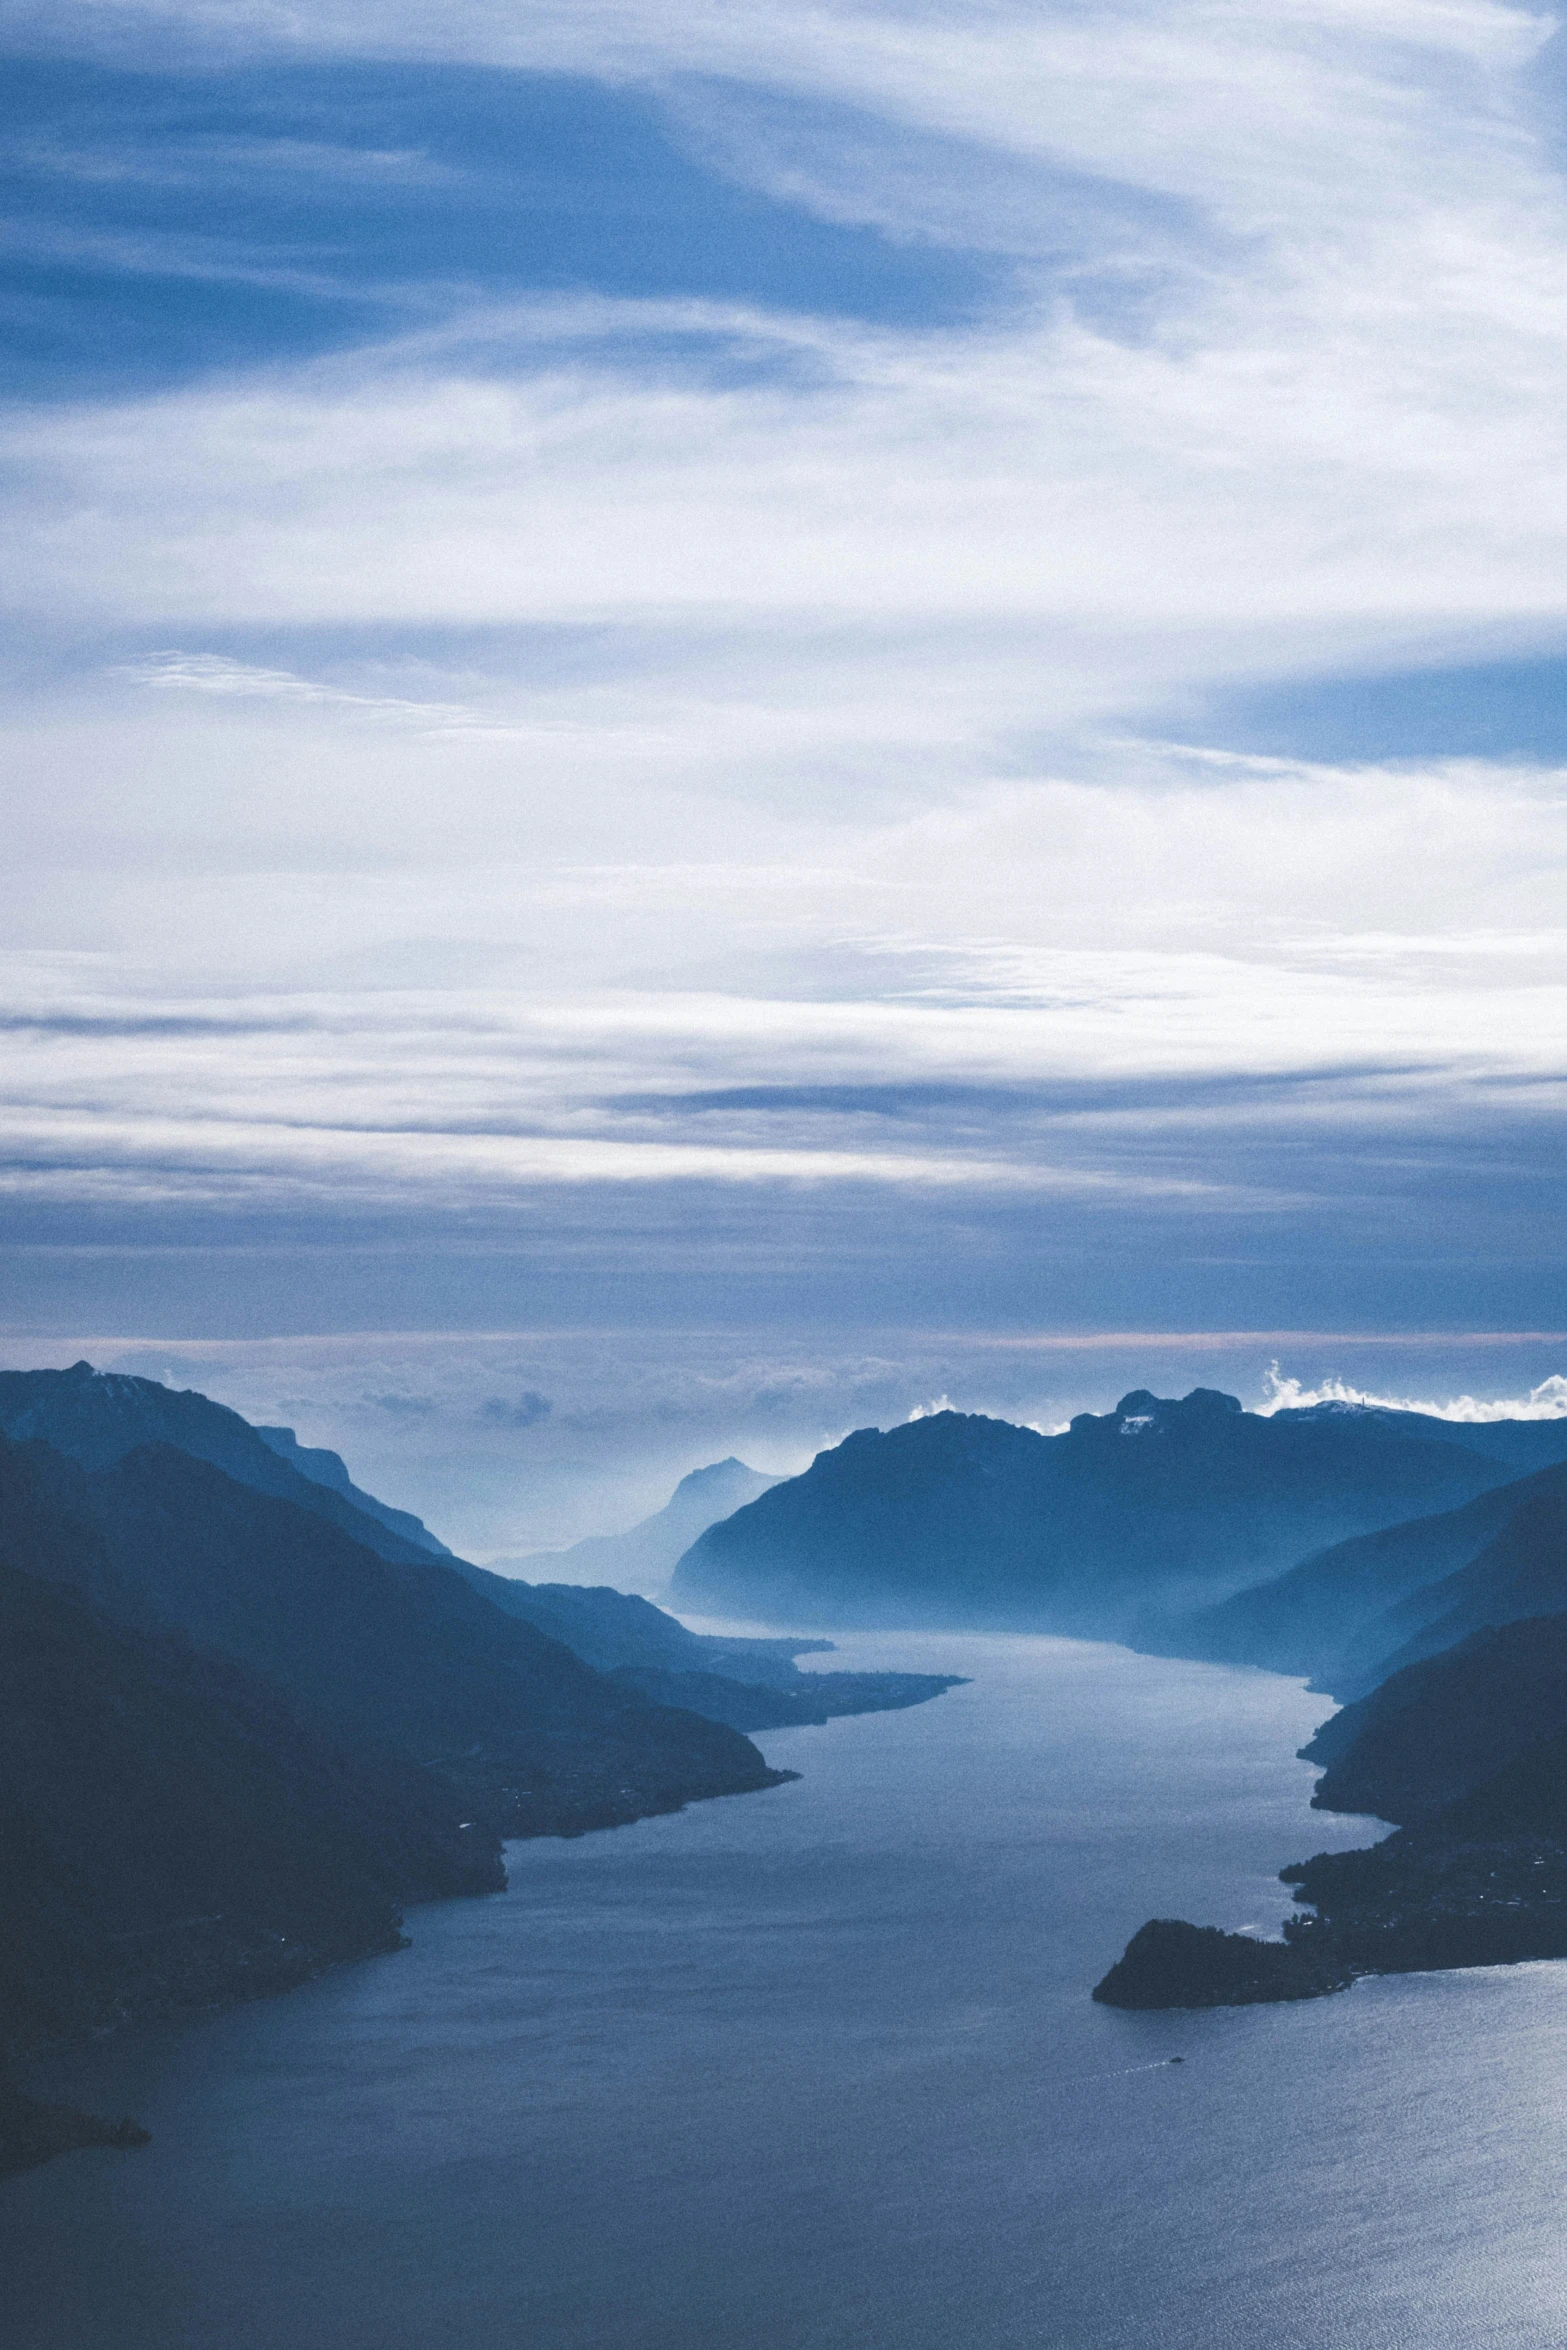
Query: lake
x=817, y=2069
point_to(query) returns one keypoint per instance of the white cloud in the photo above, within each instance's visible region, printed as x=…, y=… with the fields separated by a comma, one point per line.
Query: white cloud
x=1284, y=472
x=1342, y=416
x=107, y=1153
x=740, y=681
x=1546, y=1401
x=216, y=673
x=1374, y=949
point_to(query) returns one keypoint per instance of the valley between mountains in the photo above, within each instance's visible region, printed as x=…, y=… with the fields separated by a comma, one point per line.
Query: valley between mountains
x=251, y=1713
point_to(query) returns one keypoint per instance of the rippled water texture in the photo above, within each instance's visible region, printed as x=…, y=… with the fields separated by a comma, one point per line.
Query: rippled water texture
x=818, y=2069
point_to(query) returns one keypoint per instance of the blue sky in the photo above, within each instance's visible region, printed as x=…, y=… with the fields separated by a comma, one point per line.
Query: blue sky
x=740, y=716
x=164, y=223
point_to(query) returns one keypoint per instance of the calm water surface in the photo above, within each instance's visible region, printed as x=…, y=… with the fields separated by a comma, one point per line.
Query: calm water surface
x=818, y=2070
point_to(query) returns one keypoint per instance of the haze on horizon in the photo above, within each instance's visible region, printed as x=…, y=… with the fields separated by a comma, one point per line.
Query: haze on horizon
x=720, y=723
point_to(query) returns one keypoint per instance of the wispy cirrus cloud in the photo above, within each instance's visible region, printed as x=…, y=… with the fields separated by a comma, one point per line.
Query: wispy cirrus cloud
x=217, y=673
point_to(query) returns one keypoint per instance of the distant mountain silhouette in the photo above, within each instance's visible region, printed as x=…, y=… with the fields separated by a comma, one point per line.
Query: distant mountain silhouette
x=644, y=1558
x=97, y=1417
x=1134, y=1514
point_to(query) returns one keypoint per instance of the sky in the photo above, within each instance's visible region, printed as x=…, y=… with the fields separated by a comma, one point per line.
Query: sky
x=720, y=721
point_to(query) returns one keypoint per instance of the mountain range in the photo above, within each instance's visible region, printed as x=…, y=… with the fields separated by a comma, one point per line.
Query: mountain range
x=248, y=1713
x=238, y=1740
x=251, y=1711
x=97, y=1417
x=1414, y=1565
x=1125, y=1522
x=376, y=1649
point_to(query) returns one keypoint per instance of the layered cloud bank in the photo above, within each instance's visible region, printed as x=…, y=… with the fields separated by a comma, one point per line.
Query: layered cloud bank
x=787, y=668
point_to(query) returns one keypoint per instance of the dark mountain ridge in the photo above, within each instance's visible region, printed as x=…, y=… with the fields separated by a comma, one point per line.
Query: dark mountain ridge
x=1439, y=1730
x=1521, y=1571
x=401, y=1654
x=173, y=1831
x=234, y=1740
x=96, y=1417
x=1460, y=1738
x=99, y=1419
x=1477, y=1876
x=1128, y=1516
